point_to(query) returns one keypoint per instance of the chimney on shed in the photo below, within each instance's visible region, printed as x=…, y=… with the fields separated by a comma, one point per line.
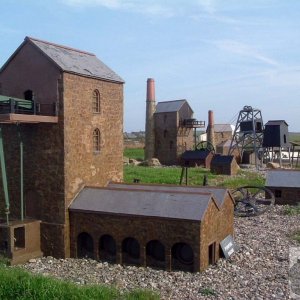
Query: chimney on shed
x=149, y=130
x=211, y=129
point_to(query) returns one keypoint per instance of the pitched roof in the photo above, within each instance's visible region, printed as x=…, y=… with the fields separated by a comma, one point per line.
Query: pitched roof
x=222, y=128
x=222, y=159
x=218, y=192
x=72, y=60
x=283, y=178
x=276, y=122
x=195, y=154
x=169, y=106
x=162, y=204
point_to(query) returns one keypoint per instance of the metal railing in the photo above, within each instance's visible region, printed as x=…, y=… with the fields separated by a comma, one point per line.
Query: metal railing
x=13, y=106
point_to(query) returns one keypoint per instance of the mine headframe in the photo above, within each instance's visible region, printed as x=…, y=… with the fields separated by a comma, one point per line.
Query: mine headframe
x=248, y=134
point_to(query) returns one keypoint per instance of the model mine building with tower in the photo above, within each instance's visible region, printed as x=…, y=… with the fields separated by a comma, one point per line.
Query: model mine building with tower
x=61, y=143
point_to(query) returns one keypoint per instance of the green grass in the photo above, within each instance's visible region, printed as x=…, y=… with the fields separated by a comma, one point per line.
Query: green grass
x=292, y=210
x=164, y=175
x=171, y=175
x=207, y=292
x=135, y=153
x=18, y=284
x=296, y=236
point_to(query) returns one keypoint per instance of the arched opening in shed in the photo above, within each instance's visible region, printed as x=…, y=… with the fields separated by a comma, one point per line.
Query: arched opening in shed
x=85, y=246
x=107, y=248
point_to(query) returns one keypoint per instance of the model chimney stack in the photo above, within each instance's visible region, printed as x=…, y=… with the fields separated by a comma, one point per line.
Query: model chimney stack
x=211, y=128
x=149, y=130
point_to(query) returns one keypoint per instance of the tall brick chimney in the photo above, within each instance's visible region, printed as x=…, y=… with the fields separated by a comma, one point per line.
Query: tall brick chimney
x=149, y=130
x=211, y=128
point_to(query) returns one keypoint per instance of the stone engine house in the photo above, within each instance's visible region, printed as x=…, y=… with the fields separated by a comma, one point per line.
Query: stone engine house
x=72, y=136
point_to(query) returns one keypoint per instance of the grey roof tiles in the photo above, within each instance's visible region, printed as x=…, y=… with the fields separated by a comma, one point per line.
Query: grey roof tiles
x=169, y=106
x=163, y=204
x=283, y=178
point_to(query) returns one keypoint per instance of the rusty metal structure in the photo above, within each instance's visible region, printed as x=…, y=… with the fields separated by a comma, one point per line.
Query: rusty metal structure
x=248, y=134
x=252, y=200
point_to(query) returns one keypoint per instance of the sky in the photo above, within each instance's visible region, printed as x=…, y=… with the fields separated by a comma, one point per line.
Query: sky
x=220, y=55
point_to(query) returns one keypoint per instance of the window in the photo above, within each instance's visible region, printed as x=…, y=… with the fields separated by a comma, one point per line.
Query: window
x=171, y=145
x=284, y=138
x=165, y=119
x=96, y=101
x=278, y=193
x=165, y=133
x=96, y=140
x=212, y=253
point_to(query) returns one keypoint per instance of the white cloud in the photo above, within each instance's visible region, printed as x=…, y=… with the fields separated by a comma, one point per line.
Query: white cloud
x=244, y=50
x=144, y=7
x=208, y=6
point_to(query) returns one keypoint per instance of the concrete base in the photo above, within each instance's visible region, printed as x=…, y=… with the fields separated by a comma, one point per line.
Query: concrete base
x=20, y=240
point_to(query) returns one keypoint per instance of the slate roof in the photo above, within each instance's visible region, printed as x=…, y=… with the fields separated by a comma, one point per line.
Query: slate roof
x=72, y=60
x=218, y=192
x=160, y=204
x=169, y=106
x=276, y=122
x=283, y=178
x=222, y=159
x=222, y=128
x=195, y=154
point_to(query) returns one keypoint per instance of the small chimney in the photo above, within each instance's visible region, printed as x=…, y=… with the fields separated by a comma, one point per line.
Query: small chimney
x=211, y=128
x=149, y=128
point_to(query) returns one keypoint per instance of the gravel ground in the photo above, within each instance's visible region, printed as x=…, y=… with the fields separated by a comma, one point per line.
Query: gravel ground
x=259, y=270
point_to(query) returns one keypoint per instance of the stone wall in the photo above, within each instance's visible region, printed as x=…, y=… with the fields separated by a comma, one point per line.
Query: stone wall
x=284, y=196
x=215, y=232
x=170, y=139
x=221, y=137
x=143, y=229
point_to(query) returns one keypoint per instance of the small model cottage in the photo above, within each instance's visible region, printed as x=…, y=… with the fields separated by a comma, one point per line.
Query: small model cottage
x=169, y=227
x=285, y=185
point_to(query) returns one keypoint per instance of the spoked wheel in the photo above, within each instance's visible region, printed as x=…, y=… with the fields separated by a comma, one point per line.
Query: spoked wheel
x=204, y=145
x=252, y=200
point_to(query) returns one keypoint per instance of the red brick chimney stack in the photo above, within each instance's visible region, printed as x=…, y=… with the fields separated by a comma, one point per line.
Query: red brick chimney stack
x=149, y=128
x=211, y=128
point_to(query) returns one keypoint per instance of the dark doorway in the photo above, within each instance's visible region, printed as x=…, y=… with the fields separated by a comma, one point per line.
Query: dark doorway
x=28, y=95
x=212, y=253
x=85, y=246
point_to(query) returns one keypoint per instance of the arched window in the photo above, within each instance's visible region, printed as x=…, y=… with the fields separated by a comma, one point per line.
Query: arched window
x=96, y=140
x=96, y=101
x=155, y=252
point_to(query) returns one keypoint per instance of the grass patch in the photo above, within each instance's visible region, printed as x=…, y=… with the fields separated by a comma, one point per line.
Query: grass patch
x=171, y=175
x=292, y=210
x=18, y=284
x=164, y=175
x=207, y=292
x=296, y=236
x=135, y=153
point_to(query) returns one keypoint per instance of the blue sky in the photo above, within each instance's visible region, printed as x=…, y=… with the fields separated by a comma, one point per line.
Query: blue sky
x=217, y=54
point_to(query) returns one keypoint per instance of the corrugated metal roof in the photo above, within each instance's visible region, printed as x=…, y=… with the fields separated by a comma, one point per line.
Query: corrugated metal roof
x=283, y=178
x=76, y=61
x=169, y=106
x=218, y=193
x=142, y=203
